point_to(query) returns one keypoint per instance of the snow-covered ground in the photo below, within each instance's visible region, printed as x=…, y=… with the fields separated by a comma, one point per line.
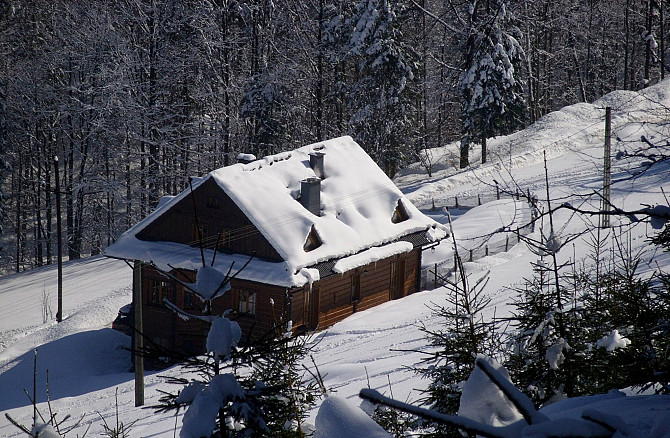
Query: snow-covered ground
x=87, y=366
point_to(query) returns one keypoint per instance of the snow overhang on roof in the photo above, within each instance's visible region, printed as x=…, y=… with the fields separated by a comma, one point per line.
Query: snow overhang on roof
x=358, y=202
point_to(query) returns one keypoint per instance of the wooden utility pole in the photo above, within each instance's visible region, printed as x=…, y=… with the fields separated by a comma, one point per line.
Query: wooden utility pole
x=59, y=239
x=138, y=341
x=607, y=168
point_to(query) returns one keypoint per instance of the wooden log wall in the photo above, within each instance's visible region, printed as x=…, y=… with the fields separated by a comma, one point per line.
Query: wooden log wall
x=375, y=288
x=216, y=212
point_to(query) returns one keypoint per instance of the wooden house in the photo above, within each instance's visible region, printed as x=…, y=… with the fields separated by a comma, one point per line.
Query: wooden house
x=327, y=231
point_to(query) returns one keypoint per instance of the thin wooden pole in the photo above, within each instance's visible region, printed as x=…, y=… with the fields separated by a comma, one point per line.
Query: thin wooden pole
x=35, y=387
x=607, y=168
x=59, y=242
x=138, y=333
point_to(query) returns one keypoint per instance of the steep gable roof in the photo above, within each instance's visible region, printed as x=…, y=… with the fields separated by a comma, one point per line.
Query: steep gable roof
x=359, y=205
x=358, y=202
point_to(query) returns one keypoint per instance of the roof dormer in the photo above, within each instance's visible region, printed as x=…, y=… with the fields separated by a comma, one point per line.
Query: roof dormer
x=400, y=214
x=313, y=240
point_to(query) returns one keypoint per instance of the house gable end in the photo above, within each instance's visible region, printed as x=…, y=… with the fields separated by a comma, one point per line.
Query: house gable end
x=221, y=224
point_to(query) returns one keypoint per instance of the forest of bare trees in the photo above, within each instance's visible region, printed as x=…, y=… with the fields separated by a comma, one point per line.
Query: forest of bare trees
x=135, y=96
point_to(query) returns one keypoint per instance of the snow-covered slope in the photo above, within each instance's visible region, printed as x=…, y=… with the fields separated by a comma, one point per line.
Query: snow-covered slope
x=371, y=348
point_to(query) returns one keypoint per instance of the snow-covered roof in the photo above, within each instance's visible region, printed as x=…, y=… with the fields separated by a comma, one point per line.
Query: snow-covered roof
x=357, y=201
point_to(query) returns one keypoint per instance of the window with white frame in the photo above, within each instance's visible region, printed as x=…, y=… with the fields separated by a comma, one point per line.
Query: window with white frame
x=246, y=302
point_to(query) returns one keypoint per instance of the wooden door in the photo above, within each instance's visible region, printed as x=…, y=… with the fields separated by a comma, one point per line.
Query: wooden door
x=299, y=301
x=397, y=280
x=313, y=306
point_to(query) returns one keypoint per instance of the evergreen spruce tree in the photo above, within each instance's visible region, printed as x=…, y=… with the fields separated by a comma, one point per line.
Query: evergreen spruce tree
x=608, y=331
x=464, y=333
x=629, y=321
x=381, y=100
x=263, y=104
x=543, y=344
x=258, y=390
x=492, y=101
x=252, y=388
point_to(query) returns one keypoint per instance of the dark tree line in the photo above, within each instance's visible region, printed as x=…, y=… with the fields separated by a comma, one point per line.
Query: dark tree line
x=135, y=96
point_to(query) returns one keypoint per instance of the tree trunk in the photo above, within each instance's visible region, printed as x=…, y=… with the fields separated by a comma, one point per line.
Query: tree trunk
x=154, y=172
x=226, y=85
x=661, y=53
x=647, y=46
x=465, y=152
x=16, y=194
x=319, y=75
x=129, y=190
x=626, y=25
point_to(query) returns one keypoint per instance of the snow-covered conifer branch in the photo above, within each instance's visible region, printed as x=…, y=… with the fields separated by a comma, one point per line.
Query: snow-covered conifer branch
x=518, y=398
x=431, y=415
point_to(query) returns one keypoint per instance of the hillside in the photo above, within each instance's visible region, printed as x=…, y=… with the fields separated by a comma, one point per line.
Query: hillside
x=87, y=365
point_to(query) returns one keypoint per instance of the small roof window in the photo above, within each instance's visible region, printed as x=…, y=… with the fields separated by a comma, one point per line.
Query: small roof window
x=400, y=214
x=313, y=240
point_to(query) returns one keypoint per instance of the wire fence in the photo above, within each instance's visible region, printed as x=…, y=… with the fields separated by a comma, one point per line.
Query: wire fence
x=471, y=201
x=498, y=243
